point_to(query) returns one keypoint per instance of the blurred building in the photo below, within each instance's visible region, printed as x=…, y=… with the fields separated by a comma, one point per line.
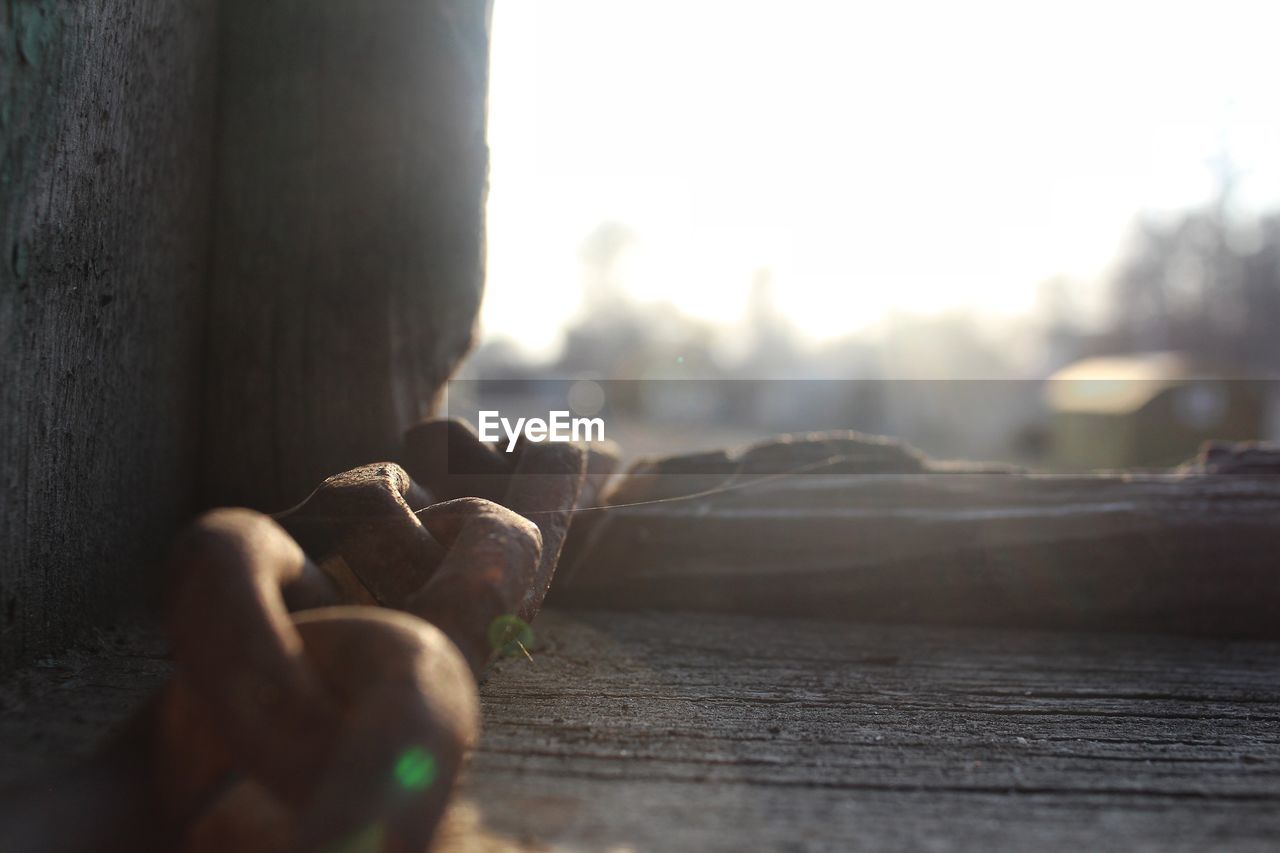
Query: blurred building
x=1148, y=409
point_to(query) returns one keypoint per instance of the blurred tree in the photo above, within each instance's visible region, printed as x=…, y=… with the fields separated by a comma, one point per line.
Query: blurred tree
x=1206, y=283
x=618, y=337
x=602, y=253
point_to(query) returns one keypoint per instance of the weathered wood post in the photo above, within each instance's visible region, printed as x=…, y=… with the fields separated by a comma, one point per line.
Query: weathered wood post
x=349, y=232
x=106, y=114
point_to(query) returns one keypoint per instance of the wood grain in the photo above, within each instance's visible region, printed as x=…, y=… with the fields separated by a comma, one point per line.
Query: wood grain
x=106, y=124
x=685, y=731
x=1192, y=550
x=349, y=233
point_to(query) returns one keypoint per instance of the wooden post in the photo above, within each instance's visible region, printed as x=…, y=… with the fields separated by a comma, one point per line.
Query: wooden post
x=349, y=234
x=106, y=118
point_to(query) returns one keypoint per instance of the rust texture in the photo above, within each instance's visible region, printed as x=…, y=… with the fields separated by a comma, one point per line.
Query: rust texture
x=299, y=714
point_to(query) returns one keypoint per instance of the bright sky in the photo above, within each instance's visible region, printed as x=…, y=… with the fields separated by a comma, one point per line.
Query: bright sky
x=876, y=156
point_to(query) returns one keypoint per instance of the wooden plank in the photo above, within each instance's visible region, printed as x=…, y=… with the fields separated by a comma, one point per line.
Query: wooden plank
x=60, y=707
x=893, y=537
x=681, y=731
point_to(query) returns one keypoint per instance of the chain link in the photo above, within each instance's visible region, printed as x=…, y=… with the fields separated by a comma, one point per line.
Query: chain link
x=324, y=690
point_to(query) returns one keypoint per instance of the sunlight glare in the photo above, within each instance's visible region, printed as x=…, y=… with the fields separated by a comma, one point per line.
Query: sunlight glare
x=911, y=157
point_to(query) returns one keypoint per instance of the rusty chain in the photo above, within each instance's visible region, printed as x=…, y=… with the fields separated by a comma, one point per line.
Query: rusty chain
x=324, y=690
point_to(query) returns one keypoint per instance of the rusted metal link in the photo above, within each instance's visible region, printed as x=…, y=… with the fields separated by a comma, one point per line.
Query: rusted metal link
x=361, y=528
x=249, y=696
x=459, y=564
x=283, y=732
x=236, y=648
x=545, y=483
x=316, y=711
x=408, y=709
x=493, y=561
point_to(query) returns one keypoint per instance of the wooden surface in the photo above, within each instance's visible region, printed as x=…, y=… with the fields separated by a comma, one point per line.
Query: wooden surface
x=710, y=732
x=683, y=731
x=106, y=122
x=349, y=233
x=862, y=528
